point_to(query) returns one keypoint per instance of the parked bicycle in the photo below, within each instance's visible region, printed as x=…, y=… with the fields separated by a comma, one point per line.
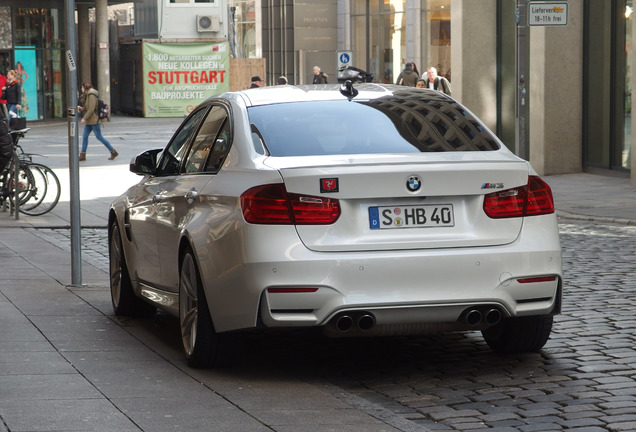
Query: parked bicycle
x=38, y=188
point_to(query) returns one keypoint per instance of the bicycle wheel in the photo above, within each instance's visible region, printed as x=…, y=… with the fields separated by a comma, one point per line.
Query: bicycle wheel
x=43, y=192
x=25, y=185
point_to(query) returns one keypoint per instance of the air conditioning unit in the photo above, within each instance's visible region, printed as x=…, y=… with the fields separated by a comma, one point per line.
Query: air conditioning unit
x=208, y=23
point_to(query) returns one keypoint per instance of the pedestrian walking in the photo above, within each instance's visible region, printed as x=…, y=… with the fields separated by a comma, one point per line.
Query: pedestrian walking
x=282, y=80
x=319, y=76
x=408, y=76
x=90, y=120
x=436, y=82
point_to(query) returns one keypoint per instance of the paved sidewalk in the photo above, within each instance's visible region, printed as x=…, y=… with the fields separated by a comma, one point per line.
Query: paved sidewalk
x=67, y=364
x=594, y=198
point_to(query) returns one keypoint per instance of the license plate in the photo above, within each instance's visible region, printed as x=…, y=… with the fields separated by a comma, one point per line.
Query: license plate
x=422, y=216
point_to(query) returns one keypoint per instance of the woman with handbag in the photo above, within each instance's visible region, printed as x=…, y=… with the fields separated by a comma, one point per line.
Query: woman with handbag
x=12, y=92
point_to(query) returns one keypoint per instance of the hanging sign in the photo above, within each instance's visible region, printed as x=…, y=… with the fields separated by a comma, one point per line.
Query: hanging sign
x=179, y=76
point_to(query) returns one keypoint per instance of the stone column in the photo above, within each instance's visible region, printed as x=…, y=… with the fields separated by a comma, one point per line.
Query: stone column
x=556, y=101
x=102, y=58
x=84, y=44
x=474, y=57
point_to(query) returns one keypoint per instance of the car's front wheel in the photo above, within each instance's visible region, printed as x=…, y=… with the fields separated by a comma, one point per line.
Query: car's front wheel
x=202, y=346
x=521, y=334
x=125, y=302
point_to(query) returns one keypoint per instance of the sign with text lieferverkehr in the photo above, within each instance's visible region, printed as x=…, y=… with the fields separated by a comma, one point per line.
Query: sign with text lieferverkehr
x=547, y=14
x=179, y=76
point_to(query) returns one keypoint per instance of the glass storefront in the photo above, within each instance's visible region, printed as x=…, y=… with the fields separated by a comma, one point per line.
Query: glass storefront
x=32, y=43
x=379, y=37
x=243, y=29
x=436, y=36
x=607, y=84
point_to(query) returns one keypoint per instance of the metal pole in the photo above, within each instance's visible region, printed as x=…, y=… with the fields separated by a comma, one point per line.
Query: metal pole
x=520, y=121
x=16, y=185
x=73, y=142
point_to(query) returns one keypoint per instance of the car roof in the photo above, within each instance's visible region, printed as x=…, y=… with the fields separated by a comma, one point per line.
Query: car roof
x=304, y=93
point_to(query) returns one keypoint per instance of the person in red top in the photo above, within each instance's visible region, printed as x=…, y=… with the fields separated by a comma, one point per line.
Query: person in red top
x=4, y=112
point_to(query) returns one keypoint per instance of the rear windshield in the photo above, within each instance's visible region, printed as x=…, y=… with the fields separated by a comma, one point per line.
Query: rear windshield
x=406, y=124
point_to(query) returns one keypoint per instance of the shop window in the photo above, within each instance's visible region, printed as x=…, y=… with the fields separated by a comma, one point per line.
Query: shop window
x=607, y=107
x=383, y=52
x=436, y=36
x=243, y=28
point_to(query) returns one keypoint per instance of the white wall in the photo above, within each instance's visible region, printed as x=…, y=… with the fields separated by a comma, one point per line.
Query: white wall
x=164, y=20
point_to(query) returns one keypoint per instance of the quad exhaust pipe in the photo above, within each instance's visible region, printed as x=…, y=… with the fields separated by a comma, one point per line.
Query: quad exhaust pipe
x=364, y=321
x=489, y=316
x=344, y=323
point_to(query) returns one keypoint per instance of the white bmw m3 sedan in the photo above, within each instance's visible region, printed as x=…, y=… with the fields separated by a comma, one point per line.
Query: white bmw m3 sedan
x=365, y=210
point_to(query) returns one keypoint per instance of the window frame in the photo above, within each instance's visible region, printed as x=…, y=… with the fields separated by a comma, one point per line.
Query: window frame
x=163, y=161
x=191, y=3
x=212, y=139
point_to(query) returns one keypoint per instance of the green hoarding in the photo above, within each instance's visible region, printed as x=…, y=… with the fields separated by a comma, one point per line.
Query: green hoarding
x=179, y=76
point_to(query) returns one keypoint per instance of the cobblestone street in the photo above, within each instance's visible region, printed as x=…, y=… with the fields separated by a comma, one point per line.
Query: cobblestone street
x=583, y=380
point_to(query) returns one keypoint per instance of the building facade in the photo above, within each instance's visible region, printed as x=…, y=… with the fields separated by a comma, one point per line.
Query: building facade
x=576, y=89
x=32, y=42
x=576, y=86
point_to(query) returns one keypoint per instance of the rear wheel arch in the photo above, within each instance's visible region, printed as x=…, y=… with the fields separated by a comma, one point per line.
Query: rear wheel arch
x=202, y=345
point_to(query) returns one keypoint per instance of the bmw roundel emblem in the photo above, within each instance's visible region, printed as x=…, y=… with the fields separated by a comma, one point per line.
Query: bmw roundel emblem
x=413, y=184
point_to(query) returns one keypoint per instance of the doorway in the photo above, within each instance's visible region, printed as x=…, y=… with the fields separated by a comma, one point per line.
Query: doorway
x=607, y=85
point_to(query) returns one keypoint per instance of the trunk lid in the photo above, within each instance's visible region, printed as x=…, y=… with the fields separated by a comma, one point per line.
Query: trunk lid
x=383, y=209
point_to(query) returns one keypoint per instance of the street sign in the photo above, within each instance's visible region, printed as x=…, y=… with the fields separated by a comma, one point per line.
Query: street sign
x=345, y=58
x=547, y=14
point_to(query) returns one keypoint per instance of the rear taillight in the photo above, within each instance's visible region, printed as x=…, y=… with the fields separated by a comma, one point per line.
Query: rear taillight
x=272, y=204
x=533, y=199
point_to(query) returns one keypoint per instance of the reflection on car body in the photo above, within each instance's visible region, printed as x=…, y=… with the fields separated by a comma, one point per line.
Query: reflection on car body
x=365, y=215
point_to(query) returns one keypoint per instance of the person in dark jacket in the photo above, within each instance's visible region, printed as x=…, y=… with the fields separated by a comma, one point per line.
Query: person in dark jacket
x=6, y=143
x=319, y=76
x=12, y=93
x=436, y=82
x=409, y=76
x=256, y=82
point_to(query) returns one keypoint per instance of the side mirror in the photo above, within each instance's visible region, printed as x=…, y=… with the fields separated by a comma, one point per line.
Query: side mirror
x=145, y=163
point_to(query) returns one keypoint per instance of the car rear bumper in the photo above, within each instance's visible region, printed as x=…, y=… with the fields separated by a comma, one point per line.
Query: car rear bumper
x=397, y=287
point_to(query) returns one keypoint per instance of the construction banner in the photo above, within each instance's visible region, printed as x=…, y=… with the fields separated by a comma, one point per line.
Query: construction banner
x=179, y=76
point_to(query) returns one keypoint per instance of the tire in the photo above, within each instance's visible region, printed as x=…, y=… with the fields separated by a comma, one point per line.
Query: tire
x=202, y=346
x=125, y=302
x=519, y=335
x=44, y=191
x=25, y=187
